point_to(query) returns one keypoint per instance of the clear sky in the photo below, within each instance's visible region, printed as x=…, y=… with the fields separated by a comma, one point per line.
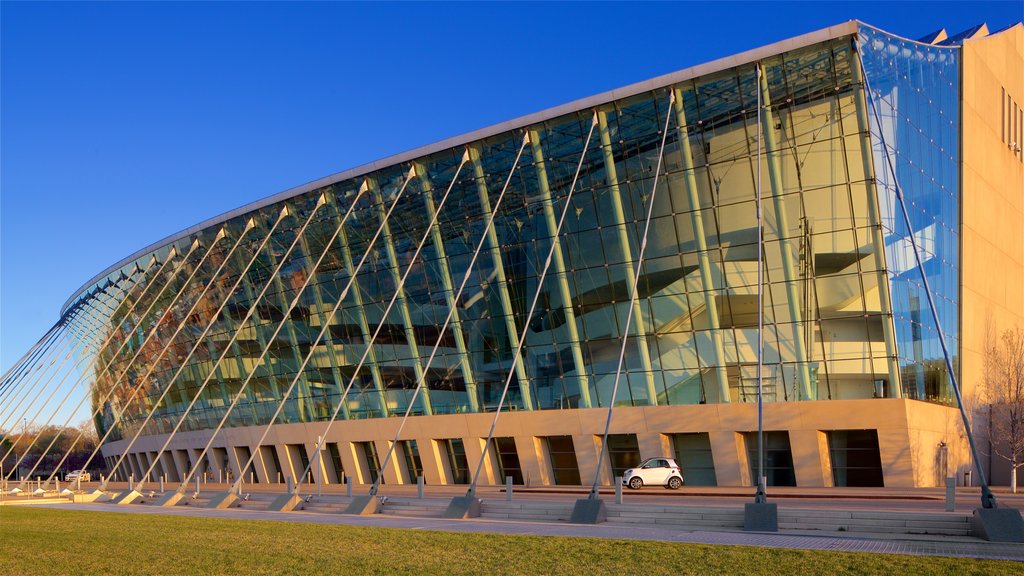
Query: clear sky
x=123, y=123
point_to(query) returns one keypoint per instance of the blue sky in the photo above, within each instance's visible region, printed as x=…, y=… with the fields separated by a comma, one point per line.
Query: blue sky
x=123, y=123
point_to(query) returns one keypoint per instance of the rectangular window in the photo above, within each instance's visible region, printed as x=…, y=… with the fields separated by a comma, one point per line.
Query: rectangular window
x=693, y=454
x=455, y=449
x=243, y=455
x=564, y=467
x=413, y=463
x=187, y=459
x=623, y=453
x=778, y=458
x=855, y=458
x=508, y=460
x=272, y=464
x=335, y=457
x=300, y=460
x=369, y=454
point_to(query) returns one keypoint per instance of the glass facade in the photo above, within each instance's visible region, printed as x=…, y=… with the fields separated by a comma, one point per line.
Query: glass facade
x=235, y=311
x=914, y=111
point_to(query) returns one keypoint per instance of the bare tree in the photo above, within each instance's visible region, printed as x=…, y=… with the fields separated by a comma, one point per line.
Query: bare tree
x=1004, y=387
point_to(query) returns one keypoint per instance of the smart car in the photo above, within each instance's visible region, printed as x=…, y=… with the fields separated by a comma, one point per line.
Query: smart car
x=76, y=474
x=654, y=472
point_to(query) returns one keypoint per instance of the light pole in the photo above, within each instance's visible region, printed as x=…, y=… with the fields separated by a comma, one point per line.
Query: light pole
x=24, y=434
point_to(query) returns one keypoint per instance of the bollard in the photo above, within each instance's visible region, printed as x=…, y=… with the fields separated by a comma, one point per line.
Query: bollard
x=419, y=487
x=950, y=493
x=162, y=478
x=348, y=486
x=289, y=482
x=220, y=476
x=252, y=480
x=508, y=488
x=618, y=489
x=131, y=481
x=197, y=484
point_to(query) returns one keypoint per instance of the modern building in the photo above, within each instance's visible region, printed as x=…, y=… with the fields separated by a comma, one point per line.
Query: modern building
x=244, y=338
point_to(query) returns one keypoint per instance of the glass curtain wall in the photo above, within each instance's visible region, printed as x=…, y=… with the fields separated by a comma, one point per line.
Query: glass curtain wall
x=692, y=341
x=914, y=110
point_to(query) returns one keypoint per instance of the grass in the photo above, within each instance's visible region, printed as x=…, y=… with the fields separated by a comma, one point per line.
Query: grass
x=36, y=540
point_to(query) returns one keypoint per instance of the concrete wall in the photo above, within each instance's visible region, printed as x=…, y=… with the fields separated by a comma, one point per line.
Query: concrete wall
x=909, y=432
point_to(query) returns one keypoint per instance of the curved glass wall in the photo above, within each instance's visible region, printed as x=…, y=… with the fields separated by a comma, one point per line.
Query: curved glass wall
x=195, y=338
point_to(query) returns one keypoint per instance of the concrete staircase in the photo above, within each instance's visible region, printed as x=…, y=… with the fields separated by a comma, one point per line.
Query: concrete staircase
x=531, y=511
x=676, y=516
x=944, y=523
x=414, y=507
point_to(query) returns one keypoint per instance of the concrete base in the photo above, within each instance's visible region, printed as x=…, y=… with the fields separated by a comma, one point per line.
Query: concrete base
x=170, y=499
x=363, y=506
x=761, y=517
x=589, y=511
x=285, y=503
x=94, y=496
x=998, y=524
x=222, y=500
x=462, y=507
x=127, y=497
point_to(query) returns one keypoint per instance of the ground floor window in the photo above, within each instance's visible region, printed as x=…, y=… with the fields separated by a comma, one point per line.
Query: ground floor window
x=413, y=463
x=455, y=450
x=623, y=453
x=369, y=454
x=693, y=454
x=335, y=458
x=855, y=458
x=778, y=458
x=564, y=467
x=508, y=460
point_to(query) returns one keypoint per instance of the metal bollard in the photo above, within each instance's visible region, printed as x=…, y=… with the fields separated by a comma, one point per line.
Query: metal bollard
x=419, y=487
x=508, y=488
x=618, y=489
x=950, y=493
x=289, y=487
x=162, y=483
x=197, y=484
x=348, y=486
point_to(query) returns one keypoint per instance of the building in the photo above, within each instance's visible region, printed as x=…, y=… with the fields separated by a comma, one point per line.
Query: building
x=205, y=335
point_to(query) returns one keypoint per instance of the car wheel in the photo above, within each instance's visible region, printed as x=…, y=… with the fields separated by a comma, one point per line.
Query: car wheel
x=675, y=482
x=636, y=483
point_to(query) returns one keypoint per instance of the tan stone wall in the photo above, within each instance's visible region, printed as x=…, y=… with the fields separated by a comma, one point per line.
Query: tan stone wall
x=993, y=199
x=992, y=262
x=909, y=434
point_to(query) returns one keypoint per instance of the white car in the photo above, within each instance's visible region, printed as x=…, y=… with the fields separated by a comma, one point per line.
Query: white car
x=78, y=474
x=654, y=472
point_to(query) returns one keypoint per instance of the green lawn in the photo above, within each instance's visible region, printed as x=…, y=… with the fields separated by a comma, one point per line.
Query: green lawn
x=36, y=540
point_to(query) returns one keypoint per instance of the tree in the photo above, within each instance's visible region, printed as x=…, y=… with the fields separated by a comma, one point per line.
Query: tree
x=1004, y=386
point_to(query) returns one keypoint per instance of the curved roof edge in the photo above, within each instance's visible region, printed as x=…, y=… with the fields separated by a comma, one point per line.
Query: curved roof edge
x=844, y=29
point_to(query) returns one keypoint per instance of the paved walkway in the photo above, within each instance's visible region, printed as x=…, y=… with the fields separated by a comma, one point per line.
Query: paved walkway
x=962, y=547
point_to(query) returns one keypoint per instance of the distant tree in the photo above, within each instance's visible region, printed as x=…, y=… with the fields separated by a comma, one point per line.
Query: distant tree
x=1004, y=388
